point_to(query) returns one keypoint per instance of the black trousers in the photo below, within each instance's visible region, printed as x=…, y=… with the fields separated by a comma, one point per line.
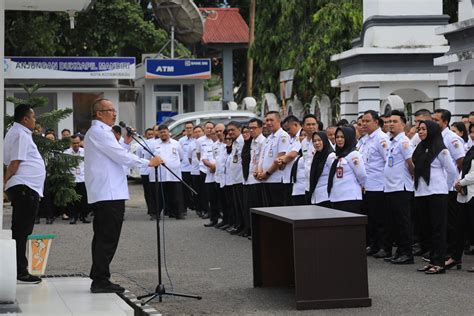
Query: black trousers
x=275, y=194
x=353, y=206
x=25, y=202
x=465, y=220
x=238, y=204
x=377, y=215
x=150, y=196
x=46, y=205
x=435, y=211
x=203, y=195
x=298, y=199
x=252, y=198
x=398, y=224
x=80, y=209
x=188, y=195
x=222, y=203
x=228, y=214
x=213, y=201
x=107, y=226
x=170, y=200
x=325, y=204
x=452, y=225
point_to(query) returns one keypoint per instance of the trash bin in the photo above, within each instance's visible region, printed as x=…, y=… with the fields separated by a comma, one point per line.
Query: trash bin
x=38, y=252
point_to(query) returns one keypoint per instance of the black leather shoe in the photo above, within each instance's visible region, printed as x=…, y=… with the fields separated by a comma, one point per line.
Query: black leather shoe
x=106, y=288
x=49, y=220
x=236, y=231
x=73, y=221
x=230, y=228
x=85, y=220
x=180, y=216
x=37, y=220
x=28, y=279
x=382, y=254
x=404, y=259
x=225, y=227
x=389, y=259
x=205, y=216
x=221, y=224
x=371, y=251
x=420, y=252
x=211, y=224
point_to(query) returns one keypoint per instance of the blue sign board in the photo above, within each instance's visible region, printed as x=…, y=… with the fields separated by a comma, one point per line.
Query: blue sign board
x=178, y=69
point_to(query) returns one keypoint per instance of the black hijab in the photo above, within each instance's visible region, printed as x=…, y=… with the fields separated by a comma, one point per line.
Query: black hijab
x=319, y=160
x=350, y=143
x=246, y=158
x=466, y=164
x=427, y=151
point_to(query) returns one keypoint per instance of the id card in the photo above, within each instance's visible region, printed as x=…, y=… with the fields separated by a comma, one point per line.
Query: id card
x=390, y=161
x=235, y=159
x=339, y=172
x=270, y=153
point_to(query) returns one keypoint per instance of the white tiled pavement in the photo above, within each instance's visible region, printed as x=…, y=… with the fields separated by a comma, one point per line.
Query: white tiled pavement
x=68, y=296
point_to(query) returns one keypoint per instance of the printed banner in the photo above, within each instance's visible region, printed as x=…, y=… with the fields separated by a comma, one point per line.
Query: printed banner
x=38, y=253
x=69, y=67
x=178, y=69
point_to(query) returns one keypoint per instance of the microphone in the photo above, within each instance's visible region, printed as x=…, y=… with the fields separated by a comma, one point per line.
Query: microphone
x=127, y=128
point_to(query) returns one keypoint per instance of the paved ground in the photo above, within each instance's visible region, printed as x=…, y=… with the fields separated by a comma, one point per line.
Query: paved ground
x=211, y=263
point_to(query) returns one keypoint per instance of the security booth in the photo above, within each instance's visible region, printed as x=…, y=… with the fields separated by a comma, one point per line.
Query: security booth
x=168, y=87
x=73, y=82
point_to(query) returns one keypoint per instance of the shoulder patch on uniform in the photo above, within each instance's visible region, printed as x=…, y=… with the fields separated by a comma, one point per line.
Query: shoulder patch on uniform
x=283, y=139
x=384, y=144
x=456, y=143
x=406, y=144
x=445, y=152
x=355, y=160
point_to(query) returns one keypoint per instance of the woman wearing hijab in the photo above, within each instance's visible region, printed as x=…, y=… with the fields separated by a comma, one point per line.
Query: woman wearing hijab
x=432, y=163
x=465, y=188
x=319, y=172
x=298, y=177
x=347, y=174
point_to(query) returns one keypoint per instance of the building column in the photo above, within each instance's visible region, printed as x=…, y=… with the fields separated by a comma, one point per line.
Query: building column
x=2, y=114
x=228, y=75
x=460, y=93
x=348, y=106
x=9, y=106
x=442, y=102
x=369, y=97
x=64, y=100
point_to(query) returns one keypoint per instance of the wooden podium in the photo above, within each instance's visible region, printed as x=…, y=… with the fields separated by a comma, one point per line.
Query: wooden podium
x=319, y=251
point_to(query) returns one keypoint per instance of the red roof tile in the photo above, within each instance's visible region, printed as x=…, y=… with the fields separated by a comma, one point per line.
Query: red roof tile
x=225, y=26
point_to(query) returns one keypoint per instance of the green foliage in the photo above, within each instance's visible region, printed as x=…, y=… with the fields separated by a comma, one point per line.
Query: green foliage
x=58, y=165
x=302, y=35
x=110, y=28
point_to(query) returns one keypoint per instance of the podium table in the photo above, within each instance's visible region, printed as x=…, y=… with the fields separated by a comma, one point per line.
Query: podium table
x=319, y=251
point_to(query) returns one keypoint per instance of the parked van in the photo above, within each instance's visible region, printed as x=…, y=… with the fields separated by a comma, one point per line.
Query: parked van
x=176, y=123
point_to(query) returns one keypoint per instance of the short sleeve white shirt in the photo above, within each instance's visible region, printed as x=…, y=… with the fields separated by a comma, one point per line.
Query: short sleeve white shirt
x=256, y=148
x=19, y=145
x=374, y=153
x=320, y=193
x=77, y=172
x=295, y=146
x=171, y=153
x=184, y=142
x=397, y=176
x=308, y=153
x=348, y=185
x=235, y=165
x=276, y=143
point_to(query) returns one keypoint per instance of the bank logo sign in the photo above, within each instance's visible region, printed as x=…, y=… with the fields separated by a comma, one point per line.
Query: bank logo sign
x=69, y=67
x=178, y=69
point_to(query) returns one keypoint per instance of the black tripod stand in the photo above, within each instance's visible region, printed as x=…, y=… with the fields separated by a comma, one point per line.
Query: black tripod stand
x=160, y=288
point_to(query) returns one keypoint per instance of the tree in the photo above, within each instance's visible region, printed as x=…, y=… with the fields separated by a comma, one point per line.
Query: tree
x=304, y=34
x=110, y=28
x=58, y=165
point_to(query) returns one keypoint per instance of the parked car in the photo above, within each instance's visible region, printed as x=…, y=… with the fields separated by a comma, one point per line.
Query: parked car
x=176, y=123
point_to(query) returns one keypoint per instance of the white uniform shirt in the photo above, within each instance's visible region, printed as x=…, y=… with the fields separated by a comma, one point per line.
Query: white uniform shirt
x=104, y=159
x=374, y=153
x=142, y=153
x=455, y=146
x=77, y=172
x=235, y=165
x=185, y=141
x=349, y=186
x=443, y=174
x=360, y=143
x=276, y=143
x=320, y=193
x=210, y=156
x=415, y=140
x=299, y=187
x=397, y=176
x=295, y=146
x=468, y=182
x=203, y=144
x=192, y=154
x=220, y=156
x=468, y=144
x=256, y=148
x=171, y=153
x=19, y=145
x=308, y=154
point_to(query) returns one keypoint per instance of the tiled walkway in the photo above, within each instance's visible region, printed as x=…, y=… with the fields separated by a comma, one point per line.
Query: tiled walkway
x=68, y=296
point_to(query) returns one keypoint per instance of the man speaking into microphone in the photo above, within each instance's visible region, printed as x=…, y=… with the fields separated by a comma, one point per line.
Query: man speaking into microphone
x=107, y=190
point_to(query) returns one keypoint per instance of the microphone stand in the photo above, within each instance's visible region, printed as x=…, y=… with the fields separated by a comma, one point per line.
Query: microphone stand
x=160, y=288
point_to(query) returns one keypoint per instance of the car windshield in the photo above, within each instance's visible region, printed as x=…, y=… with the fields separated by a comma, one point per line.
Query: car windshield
x=168, y=122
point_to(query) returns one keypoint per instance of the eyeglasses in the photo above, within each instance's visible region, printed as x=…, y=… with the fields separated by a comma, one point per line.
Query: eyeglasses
x=109, y=110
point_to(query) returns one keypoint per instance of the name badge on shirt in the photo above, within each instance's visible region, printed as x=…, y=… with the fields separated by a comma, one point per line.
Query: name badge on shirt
x=270, y=153
x=235, y=159
x=174, y=150
x=78, y=171
x=339, y=172
x=390, y=161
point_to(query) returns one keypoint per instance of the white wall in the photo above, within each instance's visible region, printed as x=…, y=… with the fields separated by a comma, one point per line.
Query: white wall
x=403, y=36
x=64, y=101
x=402, y=7
x=466, y=10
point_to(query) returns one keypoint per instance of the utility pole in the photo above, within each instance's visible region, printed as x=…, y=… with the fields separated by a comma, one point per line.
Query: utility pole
x=251, y=40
